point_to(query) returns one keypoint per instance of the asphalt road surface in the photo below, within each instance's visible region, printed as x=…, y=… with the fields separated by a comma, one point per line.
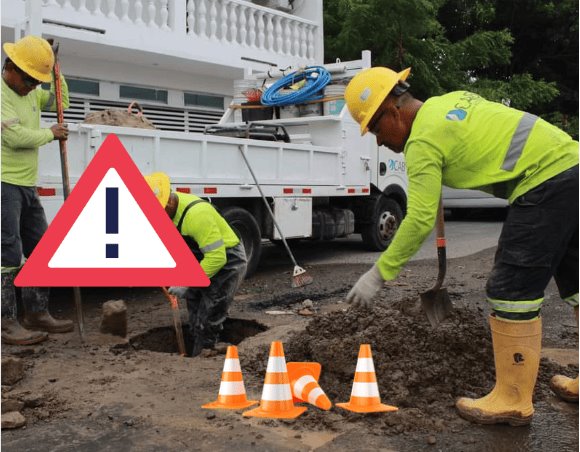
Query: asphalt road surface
x=464, y=238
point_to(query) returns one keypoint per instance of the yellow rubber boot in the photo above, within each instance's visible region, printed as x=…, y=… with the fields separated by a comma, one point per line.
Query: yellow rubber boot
x=516, y=349
x=564, y=387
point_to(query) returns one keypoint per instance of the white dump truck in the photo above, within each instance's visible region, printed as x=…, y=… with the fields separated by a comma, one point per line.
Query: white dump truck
x=321, y=179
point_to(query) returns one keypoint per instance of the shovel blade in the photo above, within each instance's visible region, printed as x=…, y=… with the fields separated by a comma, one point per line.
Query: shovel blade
x=437, y=305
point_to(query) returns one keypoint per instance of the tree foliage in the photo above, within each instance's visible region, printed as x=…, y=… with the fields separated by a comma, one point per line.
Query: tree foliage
x=524, y=52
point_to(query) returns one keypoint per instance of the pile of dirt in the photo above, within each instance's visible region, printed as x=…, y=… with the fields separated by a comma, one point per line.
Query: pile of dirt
x=419, y=369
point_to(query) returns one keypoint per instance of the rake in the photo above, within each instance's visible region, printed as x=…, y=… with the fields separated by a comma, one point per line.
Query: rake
x=299, y=276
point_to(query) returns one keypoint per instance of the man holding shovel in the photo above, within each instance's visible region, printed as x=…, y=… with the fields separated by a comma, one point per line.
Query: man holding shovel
x=29, y=62
x=464, y=141
x=219, y=251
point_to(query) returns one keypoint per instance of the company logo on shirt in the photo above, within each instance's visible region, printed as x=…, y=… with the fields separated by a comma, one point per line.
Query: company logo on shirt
x=456, y=115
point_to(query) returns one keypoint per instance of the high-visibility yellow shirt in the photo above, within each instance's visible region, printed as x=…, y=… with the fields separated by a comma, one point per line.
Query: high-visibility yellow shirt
x=464, y=141
x=208, y=229
x=21, y=132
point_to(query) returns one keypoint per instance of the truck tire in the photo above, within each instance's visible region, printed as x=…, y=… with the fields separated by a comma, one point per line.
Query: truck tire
x=385, y=216
x=246, y=228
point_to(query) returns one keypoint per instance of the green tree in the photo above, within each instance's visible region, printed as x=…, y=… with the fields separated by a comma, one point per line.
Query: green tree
x=546, y=46
x=457, y=44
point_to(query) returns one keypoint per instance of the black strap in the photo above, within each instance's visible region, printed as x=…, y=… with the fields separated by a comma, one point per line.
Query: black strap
x=189, y=206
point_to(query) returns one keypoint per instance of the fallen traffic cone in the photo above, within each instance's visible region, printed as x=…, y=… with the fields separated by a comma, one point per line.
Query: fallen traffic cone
x=365, y=397
x=232, y=393
x=276, y=396
x=304, y=384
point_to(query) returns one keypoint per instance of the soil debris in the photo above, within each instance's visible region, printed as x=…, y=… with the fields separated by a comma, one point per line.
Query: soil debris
x=420, y=370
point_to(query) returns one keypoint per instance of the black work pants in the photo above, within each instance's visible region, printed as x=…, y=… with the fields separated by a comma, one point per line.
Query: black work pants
x=208, y=306
x=23, y=225
x=539, y=240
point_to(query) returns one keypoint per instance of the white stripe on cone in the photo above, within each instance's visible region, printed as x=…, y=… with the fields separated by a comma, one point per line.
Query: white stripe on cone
x=301, y=383
x=228, y=388
x=314, y=394
x=365, y=365
x=276, y=393
x=365, y=389
x=276, y=364
x=232, y=365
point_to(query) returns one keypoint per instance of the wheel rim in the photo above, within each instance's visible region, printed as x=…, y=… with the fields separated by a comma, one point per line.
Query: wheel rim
x=387, y=226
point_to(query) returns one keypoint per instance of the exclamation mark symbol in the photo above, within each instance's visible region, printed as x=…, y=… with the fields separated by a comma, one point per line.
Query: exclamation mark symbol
x=112, y=220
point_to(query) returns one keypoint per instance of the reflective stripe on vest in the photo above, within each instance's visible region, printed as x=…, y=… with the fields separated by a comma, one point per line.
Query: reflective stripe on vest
x=518, y=142
x=515, y=306
x=212, y=246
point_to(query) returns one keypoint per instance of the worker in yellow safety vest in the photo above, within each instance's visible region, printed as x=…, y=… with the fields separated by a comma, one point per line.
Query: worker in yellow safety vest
x=219, y=251
x=464, y=141
x=29, y=63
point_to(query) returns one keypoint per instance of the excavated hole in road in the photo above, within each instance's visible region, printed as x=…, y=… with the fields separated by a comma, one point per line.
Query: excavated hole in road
x=163, y=339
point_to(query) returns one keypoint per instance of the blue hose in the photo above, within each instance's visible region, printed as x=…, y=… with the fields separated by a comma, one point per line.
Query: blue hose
x=316, y=78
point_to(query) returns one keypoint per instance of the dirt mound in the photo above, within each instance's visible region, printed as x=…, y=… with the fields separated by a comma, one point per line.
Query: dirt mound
x=420, y=370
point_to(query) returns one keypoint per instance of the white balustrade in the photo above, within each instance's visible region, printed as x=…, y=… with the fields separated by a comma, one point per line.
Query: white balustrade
x=251, y=28
x=125, y=11
x=138, y=12
x=202, y=11
x=261, y=26
x=242, y=27
x=111, y=9
x=223, y=19
x=269, y=32
x=303, y=45
x=310, y=40
x=278, y=33
x=164, y=15
x=232, y=18
x=190, y=17
x=287, y=41
x=151, y=12
x=234, y=23
x=296, y=40
x=97, y=8
x=82, y=8
x=212, y=20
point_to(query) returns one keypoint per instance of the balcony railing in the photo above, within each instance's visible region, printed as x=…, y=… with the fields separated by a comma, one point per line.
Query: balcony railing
x=263, y=32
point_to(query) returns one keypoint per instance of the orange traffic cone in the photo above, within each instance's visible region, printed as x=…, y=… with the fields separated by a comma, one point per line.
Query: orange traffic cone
x=365, y=397
x=232, y=393
x=276, y=396
x=304, y=384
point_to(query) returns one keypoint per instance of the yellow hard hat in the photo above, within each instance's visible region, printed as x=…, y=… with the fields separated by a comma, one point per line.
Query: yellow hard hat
x=159, y=183
x=33, y=55
x=368, y=89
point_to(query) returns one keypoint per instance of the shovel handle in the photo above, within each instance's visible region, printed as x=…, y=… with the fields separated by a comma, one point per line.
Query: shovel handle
x=441, y=247
x=174, y=303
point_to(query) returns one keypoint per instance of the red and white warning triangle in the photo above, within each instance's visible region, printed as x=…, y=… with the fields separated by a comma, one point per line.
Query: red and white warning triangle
x=112, y=231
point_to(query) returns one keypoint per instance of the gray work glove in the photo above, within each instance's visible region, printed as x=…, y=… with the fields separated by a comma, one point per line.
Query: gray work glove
x=178, y=291
x=362, y=293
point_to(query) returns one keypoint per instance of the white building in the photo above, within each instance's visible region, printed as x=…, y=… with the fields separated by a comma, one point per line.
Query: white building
x=177, y=58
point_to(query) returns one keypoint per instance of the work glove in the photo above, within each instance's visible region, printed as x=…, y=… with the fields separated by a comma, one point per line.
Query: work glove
x=178, y=291
x=362, y=293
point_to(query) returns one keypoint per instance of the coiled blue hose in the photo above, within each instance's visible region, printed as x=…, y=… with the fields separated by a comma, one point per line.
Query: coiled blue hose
x=316, y=78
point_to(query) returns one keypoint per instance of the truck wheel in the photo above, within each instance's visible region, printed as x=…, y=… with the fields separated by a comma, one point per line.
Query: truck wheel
x=247, y=229
x=385, y=216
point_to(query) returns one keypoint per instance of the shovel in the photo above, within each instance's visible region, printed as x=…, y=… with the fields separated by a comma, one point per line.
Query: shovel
x=174, y=303
x=65, y=175
x=436, y=302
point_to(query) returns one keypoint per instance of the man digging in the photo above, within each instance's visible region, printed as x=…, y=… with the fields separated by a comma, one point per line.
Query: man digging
x=464, y=141
x=219, y=251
